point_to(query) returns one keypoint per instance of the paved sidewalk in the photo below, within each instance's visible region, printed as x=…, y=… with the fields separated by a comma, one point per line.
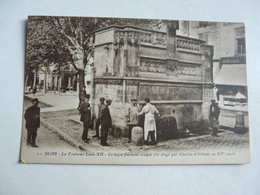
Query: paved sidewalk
x=56, y=100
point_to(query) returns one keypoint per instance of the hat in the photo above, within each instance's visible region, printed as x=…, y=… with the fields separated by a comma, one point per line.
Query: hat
x=35, y=100
x=108, y=100
x=102, y=99
x=133, y=100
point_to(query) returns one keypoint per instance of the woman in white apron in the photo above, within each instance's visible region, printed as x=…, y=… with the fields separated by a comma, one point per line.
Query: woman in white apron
x=149, y=111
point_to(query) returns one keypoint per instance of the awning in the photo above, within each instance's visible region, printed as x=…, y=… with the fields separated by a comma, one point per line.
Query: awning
x=232, y=74
x=240, y=96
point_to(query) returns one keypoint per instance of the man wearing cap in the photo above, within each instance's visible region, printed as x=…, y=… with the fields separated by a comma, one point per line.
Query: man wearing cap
x=85, y=117
x=214, y=114
x=131, y=117
x=32, y=117
x=101, y=106
x=106, y=123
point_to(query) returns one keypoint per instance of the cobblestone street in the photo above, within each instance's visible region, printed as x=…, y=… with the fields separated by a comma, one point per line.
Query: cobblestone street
x=225, y=139
x=68, y=121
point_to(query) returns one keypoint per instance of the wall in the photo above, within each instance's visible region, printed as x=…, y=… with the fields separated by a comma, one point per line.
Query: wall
x=173, y=71
x=104, y=60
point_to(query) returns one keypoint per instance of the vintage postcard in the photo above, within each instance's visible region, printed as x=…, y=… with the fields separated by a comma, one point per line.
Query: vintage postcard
x=134, y=91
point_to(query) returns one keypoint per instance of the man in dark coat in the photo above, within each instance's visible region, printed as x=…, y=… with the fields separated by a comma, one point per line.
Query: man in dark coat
x=106, y=123
x=101, y=106
x=32, y=117
x=214, y=114
x=85, y=117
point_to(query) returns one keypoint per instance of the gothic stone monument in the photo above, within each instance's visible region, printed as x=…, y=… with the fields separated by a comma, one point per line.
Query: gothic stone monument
x=175, y=72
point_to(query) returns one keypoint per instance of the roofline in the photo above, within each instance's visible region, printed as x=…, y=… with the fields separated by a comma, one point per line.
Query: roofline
x=120, y=27
x=128, y=26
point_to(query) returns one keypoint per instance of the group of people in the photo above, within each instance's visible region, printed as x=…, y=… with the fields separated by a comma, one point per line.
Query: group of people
x=104, y=120
x=149, y=112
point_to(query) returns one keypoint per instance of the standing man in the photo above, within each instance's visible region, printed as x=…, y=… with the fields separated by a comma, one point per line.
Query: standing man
x=101, y=106
x=32, y=117
x=149, y=111
x=85, y=117
x=214, y=114
x=106, y=123
x=131, y=117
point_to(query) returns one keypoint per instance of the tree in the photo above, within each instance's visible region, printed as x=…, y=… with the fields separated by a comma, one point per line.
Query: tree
x=43, y=49
x=71, y=39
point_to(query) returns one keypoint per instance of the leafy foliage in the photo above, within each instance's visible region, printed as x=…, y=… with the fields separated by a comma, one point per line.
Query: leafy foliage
x=61, y=40
x=69, y=40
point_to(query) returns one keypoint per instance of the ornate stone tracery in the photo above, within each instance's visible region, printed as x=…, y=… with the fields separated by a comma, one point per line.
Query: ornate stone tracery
x=207, y=50
x=188, y=44
x=109, y=81
x=132, y=82
x=156, y=38
x=152, y=66
x=189, y=70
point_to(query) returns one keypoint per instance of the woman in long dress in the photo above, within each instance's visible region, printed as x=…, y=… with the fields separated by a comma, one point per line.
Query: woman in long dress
x=149, y=111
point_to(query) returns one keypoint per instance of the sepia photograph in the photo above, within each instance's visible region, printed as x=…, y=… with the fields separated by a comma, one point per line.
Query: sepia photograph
x=134, y=91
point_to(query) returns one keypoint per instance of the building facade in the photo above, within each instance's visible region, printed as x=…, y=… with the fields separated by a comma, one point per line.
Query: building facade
x=175, y=72
x=229, y=65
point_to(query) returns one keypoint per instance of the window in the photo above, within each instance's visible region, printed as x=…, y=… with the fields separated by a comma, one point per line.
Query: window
x=241, y=46
x=204, y=37
x=240, y=40
x=204, y=24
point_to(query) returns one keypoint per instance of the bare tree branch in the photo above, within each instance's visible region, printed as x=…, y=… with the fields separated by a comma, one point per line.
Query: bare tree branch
x=71, y=27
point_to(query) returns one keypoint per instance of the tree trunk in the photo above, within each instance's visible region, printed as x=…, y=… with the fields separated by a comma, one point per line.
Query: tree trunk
x=82, y=90
x=45, y=80
x=59, y=83
x=77, y=53
x=34, y=80
x=92, y=92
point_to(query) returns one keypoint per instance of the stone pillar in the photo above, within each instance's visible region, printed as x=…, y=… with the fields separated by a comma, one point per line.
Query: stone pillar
x=60, y=83
x=77, y=83
x=124, y=91
x=55, y=80
x=113, y=60
x=137, y=136
x=207, y=77
x=69, y=82
x=171, y=39
x=125, y=55
x=57, y=83
x=52, y=82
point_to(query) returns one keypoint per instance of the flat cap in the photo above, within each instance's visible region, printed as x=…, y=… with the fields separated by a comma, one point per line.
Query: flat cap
x=102, y=99
x=35, y=100
x=108, y=100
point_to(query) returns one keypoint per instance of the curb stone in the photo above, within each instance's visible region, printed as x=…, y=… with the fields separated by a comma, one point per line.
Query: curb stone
x=69, y=139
